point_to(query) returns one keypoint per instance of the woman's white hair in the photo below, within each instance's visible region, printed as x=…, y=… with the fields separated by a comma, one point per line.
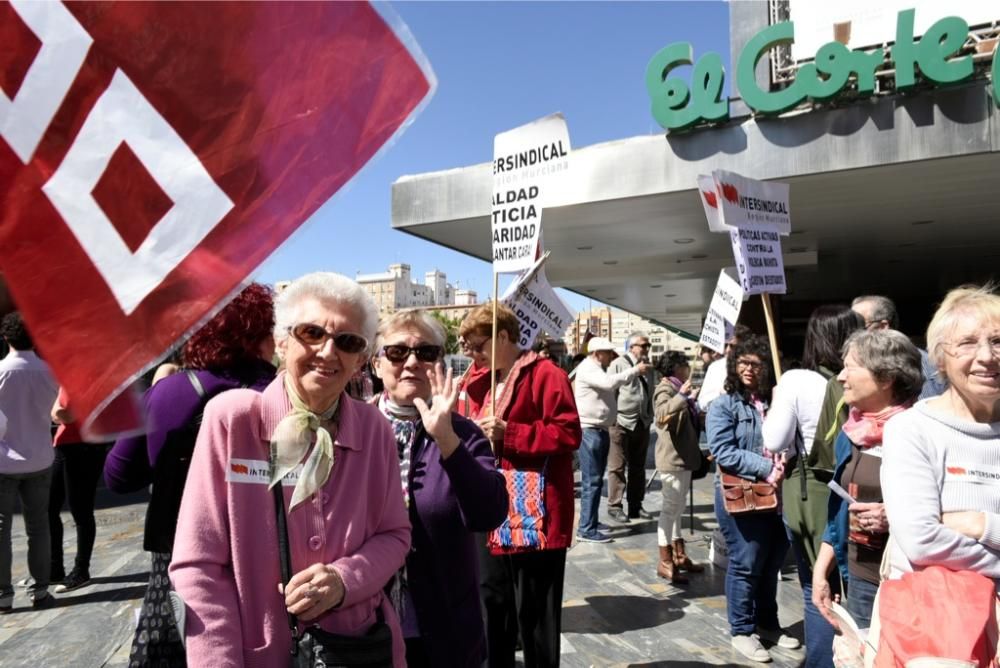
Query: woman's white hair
x=981, y=302
x=328, y=288
x=425, y=322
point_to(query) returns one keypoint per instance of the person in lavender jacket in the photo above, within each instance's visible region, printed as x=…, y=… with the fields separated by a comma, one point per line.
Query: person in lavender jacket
x=234, y=349
x=451, y=487
x=334, y=459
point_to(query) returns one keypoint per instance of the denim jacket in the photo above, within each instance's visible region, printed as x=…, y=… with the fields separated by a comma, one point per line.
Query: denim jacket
x=733, y=431
x=836, y=514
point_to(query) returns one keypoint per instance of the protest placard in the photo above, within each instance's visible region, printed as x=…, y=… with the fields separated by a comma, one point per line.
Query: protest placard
x=747, y=202
x=715, y=332
x=537, y=306
x=527, y=161
x=710, y=200
x=723, y=311
x=757, y=251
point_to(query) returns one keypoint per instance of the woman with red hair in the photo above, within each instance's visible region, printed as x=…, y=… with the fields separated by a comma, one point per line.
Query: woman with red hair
x=234, y=349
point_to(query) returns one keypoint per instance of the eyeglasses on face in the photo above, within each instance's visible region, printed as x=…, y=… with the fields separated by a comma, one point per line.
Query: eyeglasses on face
x=310, y=334
x=750, y=364
x=644, y=346
x=468, y=347
x=969, y=347
x=398, y=353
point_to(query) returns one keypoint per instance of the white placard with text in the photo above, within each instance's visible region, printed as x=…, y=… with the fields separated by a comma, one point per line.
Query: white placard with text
x=527, y=163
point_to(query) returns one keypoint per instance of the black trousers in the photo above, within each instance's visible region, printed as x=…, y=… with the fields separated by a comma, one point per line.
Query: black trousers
x=522, y=591
x=75, y=473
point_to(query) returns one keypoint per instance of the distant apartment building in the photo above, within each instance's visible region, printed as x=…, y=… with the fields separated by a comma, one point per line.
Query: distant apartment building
x=395, y=289
x=616, y=325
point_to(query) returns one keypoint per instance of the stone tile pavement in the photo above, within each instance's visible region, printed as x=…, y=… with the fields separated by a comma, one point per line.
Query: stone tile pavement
x=616, y=611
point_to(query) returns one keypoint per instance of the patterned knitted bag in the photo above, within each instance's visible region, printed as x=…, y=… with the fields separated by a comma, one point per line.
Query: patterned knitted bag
x=524, y=527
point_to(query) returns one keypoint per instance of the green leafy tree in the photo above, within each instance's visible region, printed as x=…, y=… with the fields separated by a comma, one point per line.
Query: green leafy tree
x=451, y=329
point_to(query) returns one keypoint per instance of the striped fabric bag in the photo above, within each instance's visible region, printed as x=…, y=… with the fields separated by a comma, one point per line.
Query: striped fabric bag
x=524, y=527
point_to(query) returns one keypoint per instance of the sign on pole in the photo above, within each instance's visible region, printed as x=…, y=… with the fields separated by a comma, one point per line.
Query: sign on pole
x=723, y=312
x=710, y=200
x=732, y=201
x=537, y=306
x=139, y=197
x=748, y=202
x=756, y=214
x=527, y=161
x=757, y=251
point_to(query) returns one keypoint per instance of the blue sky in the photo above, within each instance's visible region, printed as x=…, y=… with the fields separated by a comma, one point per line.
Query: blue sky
x=499, y=65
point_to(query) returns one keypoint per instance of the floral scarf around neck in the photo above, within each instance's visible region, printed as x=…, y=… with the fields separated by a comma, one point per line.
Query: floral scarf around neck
x=865, y=429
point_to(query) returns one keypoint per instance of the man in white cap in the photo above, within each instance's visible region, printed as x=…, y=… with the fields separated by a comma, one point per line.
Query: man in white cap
x=594, y=390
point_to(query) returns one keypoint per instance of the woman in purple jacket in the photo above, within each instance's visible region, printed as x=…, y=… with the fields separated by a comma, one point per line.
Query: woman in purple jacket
x=451, y=487
x=234, y=349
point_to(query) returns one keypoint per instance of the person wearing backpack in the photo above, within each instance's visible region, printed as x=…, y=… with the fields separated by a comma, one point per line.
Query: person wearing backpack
x=232, y=350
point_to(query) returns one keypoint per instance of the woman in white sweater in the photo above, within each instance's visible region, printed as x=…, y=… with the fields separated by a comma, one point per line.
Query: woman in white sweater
x=941, y=465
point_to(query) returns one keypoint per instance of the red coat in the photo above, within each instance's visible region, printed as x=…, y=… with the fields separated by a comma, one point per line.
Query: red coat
x=542, y=423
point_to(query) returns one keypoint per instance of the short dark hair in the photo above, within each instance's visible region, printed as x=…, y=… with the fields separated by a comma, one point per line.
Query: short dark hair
x=828, y=328
x=752, y=346
x=14, y=331
x=883, y=308
x=741, y=333
x=669, y=361
x=547, y=344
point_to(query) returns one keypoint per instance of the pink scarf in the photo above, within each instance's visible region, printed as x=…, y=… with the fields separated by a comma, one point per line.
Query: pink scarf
x=865, y=429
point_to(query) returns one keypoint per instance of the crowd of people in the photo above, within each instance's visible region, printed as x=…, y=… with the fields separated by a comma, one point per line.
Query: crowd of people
x=299, y=516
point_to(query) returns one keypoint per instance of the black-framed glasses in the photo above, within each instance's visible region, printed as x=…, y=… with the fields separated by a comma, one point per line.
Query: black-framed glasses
x=425, y=352
x=750, y=364
x=644, y=346
x=311, y=334
x=467, y=347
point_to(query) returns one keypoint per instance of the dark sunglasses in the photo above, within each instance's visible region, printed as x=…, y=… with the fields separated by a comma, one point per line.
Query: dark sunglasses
x=314, y=335
x=425, y=352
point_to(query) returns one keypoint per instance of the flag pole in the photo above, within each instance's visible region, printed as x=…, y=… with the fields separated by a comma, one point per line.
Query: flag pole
x=771, y=336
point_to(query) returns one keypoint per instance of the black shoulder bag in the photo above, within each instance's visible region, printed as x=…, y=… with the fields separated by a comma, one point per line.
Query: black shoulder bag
x=169, y=475
x=317, y=648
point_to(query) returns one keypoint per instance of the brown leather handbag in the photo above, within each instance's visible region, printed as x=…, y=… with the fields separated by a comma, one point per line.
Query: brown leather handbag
x=743, y=497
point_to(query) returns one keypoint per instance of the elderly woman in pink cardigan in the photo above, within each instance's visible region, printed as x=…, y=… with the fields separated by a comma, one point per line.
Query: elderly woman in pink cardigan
x=335, y=459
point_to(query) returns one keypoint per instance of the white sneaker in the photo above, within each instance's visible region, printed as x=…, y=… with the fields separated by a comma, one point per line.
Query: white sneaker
x=779, y=638
x=750, y=647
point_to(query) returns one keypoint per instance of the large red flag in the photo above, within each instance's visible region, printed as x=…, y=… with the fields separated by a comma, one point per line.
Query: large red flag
x=152, y=154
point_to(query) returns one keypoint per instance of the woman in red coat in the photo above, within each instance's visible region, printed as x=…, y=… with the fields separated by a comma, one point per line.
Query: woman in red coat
x=534, y=428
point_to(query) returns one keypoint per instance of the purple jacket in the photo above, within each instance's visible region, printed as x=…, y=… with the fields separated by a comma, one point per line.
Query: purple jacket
x=170, y=405
x=450, y=500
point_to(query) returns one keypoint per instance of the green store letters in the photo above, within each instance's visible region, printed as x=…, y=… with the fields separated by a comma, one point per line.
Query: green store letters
x=675, y=106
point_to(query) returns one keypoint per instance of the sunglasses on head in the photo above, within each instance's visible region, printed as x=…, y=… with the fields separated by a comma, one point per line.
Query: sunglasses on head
x=425, y=352
x=314, y=335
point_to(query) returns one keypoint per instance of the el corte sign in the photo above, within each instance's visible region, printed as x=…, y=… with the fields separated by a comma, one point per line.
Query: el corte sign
x=676, y=107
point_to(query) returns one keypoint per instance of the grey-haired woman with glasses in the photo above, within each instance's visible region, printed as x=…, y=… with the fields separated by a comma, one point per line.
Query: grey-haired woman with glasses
x=334, y=461
x=942, y=457
x=451, y=487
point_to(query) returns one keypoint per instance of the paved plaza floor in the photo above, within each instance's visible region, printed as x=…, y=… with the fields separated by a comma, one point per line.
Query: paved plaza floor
x=616, y=611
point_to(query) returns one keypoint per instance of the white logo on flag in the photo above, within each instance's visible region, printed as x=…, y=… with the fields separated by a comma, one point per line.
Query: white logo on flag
x=123, y=114
x=24, y=120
